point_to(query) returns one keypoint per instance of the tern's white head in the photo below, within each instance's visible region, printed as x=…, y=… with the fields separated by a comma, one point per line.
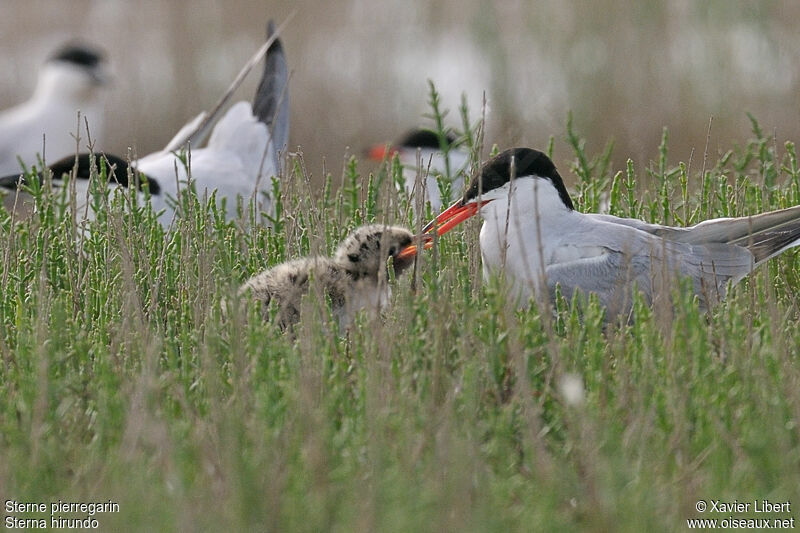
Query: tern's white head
x=528, y=175
x=422, y=152
x=429, y=146
x=76, y=73
x=521, y=172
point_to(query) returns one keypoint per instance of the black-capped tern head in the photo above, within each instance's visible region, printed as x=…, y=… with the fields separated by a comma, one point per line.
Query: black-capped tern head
x=521, y=168
x=84, y=59
x=118, y=173
x=533, y=234
x=524, y=169
x=70, y=81
x=422, y=151
x=238, y=161
x=423, y=140
x=81, y=167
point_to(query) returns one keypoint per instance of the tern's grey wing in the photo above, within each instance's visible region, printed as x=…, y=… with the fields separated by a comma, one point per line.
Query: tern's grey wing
x=667, y=232
x=271, y=101
x=765, y=235
x=651, y=265
x=611, y=276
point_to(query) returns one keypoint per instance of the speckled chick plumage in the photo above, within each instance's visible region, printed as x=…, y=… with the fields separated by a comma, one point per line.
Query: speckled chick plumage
x=353, y=279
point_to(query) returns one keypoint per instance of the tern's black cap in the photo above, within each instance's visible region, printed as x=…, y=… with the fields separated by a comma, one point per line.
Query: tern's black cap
x=82, y=166
x=422, y=138
x=79, y=54
x=497, y=171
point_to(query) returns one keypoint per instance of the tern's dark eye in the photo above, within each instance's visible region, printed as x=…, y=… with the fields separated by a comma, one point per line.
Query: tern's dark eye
x=392, y=250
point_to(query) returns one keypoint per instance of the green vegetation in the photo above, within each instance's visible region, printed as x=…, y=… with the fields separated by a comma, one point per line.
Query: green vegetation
x=130, y=373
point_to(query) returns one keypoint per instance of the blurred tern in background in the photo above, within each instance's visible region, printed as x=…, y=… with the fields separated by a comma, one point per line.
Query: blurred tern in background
x=242, y=156
x=244, y=151
x=532, y=233
x=74, y=79
x=416, y=151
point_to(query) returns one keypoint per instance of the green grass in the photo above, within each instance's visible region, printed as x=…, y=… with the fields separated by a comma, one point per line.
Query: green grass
x=130, y=373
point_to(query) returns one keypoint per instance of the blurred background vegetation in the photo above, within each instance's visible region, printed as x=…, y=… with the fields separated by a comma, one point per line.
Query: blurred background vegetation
x=626, y=69
x=125, y=375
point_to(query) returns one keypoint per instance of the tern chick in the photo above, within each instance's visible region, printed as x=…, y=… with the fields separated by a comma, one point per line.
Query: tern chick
x=353, y=279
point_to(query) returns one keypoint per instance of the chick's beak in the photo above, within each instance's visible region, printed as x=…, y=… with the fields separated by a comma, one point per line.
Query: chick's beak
x=411, y=250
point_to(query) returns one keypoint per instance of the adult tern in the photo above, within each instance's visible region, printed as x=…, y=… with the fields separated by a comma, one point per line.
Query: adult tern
x=420, y=152
x=73, y=79
x=532, y=233
x=242, y=155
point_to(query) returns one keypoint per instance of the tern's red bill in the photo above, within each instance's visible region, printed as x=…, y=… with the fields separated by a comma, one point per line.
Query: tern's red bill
x=452, y=217
x=379, y=152
x=447, y=220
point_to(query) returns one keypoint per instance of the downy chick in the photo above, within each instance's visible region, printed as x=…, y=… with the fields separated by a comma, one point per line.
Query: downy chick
x=353, y=279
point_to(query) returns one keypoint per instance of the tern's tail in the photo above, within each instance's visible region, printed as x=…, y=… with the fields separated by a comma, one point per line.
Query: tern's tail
x=765, y=235
x=271, y=101
x=777, y=231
